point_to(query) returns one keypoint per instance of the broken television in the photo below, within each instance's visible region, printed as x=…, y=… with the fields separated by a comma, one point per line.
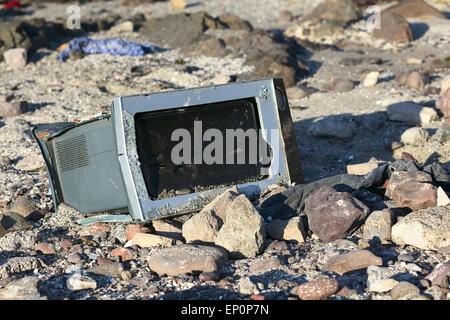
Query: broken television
x=170, y=153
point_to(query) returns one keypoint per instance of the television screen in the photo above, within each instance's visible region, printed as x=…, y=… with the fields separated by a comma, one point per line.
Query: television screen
x=199, y=147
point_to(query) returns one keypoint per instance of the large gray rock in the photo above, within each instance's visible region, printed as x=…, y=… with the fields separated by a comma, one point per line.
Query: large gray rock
x=111, y=269
x=426, y=229
x=332, y=128
x=412, y=189
x=205, y=225
x=12, y=221
x=414, y=9
x=243, y=233
x=22, y=289
x=333, y=215
x=342, y=11
x=411, y=112
x=290, y=230
x=186, y=258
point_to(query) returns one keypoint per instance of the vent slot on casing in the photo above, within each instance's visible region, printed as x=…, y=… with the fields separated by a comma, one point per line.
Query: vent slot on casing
x=72, y=153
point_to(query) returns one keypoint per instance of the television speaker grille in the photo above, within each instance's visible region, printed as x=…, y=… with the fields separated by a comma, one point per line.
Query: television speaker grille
x=72, y=153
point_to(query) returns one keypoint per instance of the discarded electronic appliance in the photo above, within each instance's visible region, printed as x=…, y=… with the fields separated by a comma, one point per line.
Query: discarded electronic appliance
x=170, y=153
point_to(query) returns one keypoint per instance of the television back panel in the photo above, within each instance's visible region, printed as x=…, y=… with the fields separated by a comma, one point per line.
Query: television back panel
x=87, y=167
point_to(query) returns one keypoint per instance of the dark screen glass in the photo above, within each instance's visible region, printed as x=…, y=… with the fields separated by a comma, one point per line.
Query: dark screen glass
x=154, y=146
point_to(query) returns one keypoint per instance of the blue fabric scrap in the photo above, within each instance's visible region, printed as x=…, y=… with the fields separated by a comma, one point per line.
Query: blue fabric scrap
x=113, y=47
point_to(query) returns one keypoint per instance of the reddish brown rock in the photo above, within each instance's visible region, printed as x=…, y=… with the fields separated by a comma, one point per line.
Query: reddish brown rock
x=412, y=189
x=66, y=244
x=132, y=229
x=184, y=258
x=414, y=9
x=393, y=27
x=124, y=253
x=333, y=215
x=45, y=248
x=351, y=261
x=101, y=261
x=444, y=103
x=265, y=265
x=417, y=80
x=442, y=270
x=318, y=289
x=98, y=227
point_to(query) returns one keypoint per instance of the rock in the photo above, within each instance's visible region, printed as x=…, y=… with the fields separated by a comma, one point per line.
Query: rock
x=98, y=227
x=4, y=161
x=178, y=4
x=221, y=79
x=246, y=286
x=132, y=229
x=30, y=163
x=123, y=27
x=145, y=240
x=394, y=28
x=210, y=47
x=413, y=189
x=12, y=221
x=378, y=225
x=19, y=265
x=265, y=265
x=25, y=288
x=411, y=112
x=221, y=203
x=178, y=30
x=318, y=289
x=440, y=271
x=442, y=134
x=417, y=80
x=378, y=279
x=414, y=9
x=299, y=92
x=333, y=215
x=342, y=11
x=444, y=103
x=332, y=128
x=286, y=16
x=113, y=269
x=442, y=198
x=23, y=206
x=371, y=79
x=73, y=258
x=79, y=282
x=166, y=229
x=405, y=257
x=290, y=230
x=243, y=233
x=204, y=227
x=414, y=61
x=404, y=290
x=208, y=276
x=426, y=229
x=16, y=58
x=415, y=136
x=186, y=258
x=361, y=168
x=234, y=22
x=124, y=254
x=340, y=85
x=12, y=109
x=351, y=261
x=445, y=84
x=45, y=248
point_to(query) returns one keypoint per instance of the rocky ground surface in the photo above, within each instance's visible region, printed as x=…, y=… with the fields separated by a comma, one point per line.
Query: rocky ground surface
x=358, y=100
